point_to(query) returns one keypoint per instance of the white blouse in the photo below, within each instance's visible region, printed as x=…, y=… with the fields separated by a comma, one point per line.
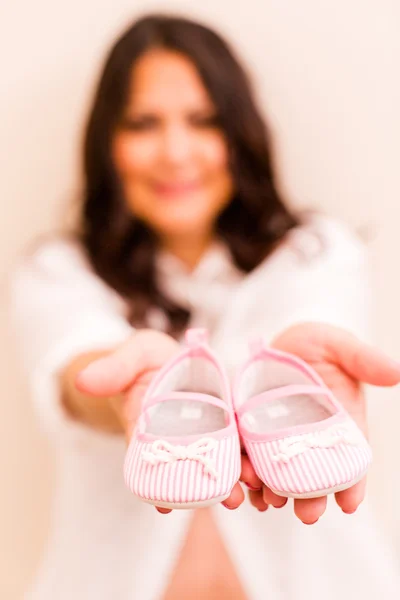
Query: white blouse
x=104, y=543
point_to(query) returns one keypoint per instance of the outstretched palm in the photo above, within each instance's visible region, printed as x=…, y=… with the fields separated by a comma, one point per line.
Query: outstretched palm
x=344, y=363
x=341, y=360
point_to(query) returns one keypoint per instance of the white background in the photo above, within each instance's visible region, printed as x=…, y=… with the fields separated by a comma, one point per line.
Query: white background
x=327, y=73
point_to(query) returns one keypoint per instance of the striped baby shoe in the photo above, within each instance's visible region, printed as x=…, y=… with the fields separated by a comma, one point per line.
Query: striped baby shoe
x=300, y=440
x=185, y=450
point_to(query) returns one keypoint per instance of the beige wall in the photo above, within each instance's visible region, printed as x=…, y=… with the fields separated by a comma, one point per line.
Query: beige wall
x=328, y=77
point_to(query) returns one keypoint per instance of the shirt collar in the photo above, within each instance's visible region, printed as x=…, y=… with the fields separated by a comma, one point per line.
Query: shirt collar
x=216, y=261
x=214, y=272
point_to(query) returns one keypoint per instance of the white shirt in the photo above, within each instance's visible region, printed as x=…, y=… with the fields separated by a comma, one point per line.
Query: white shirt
x=106, y=544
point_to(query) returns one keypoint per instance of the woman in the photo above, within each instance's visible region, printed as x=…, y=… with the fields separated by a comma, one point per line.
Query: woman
x=182, y=224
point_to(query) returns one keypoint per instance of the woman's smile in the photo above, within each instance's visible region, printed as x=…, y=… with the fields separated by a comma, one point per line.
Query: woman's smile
x=174, y=190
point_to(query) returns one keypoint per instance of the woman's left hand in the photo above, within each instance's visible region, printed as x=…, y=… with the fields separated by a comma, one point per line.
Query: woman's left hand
x=344, y=363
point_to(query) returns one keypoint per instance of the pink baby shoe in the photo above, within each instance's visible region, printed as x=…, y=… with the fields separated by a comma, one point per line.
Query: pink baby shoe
x=300, y=440
x=185, y=450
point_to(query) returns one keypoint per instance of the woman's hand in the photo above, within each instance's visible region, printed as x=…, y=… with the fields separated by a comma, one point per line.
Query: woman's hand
x=124, y=375
x=343, y=362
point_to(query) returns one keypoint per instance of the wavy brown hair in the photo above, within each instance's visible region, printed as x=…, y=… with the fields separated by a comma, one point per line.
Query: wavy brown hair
x=122, y=249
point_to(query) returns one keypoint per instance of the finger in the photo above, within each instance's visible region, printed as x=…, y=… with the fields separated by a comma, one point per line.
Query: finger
x=248, y=475
x=309, y=510
x=274, y=499
x=364, y=362
x=349, y=500
x=257, y=500
x=235, y=499
x=129, y=405
x=319, y=341
x=114, y=373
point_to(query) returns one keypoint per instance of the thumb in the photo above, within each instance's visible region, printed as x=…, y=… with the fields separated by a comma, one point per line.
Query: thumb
x=364, y=362
x=114, y=373
x=323, y=343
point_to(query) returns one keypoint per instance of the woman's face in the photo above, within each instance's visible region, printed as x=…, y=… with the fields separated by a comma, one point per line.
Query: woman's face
x=169, y=151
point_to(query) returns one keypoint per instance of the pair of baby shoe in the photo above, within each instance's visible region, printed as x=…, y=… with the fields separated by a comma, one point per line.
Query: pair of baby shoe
x=185, y=450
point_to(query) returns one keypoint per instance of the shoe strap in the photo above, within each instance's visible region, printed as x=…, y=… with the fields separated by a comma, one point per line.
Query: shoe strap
x=281, y=392
x=198, y=397
x=196, y=337
x=257, y=345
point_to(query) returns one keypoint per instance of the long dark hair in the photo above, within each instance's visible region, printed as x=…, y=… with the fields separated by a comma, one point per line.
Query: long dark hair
x=122, y=249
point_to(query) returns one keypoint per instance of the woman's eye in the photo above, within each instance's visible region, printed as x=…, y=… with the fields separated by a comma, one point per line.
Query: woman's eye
x=205, y=122
x=141, y=124
x=148, y=123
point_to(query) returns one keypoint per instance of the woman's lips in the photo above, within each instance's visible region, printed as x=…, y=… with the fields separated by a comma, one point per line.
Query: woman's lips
x=176, y=189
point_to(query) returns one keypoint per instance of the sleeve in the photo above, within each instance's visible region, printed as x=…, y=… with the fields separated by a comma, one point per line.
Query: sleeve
x=329, y=277
x=60, y=308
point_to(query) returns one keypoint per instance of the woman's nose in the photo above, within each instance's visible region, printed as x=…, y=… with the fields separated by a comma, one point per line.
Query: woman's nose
x=176, y=145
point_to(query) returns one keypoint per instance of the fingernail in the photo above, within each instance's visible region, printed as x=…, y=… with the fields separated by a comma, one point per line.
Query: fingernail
x=313, y=523
x=254, y=489
x=262, y=509
x=80, y=376
x=93, y=369
x=349, y=512
x=394, y=363
x=227, y=506
x=280, y=505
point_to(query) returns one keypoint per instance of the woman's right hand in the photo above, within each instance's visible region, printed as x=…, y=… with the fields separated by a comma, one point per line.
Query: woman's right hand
x=124, y=375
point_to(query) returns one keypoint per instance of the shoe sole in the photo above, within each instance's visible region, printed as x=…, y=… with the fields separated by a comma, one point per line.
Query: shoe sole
x=186, y=505
x=320, y=493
